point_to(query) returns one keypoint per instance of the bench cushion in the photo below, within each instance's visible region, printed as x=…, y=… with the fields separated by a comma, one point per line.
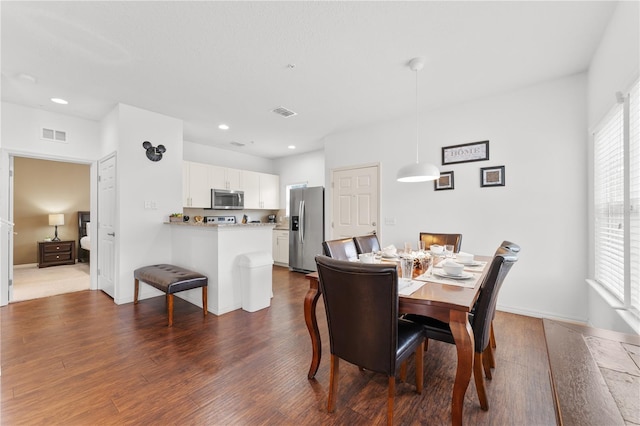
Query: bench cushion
x=170, y=278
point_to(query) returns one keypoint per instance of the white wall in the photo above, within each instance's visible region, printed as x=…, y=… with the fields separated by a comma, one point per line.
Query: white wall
x=614, y=67
x=21, y=130
x=539, y=134
x=142, y=238
x=308, y=167
x=226, y=158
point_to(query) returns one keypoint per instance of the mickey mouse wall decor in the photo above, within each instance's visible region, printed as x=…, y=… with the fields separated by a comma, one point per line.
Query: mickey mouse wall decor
x=154, y=154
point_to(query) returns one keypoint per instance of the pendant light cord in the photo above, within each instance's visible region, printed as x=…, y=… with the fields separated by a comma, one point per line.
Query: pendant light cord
x=417, y=153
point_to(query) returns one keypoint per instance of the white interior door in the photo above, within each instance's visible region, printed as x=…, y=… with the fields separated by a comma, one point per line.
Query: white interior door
x=107, y=197
x=355, y=201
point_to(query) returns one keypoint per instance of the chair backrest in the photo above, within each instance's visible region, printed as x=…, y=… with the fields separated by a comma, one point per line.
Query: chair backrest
x=486, y=304
x=343, y=249
x=441, y=239
x=508, y=246
x=361, y=303
x=367, y=243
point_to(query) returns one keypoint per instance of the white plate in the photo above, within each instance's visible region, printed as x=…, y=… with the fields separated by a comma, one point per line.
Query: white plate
x=474, y=263
x=389, y=256
x=462, y=276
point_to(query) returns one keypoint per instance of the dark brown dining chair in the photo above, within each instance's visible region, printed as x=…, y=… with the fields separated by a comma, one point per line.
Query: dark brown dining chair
x=441, y=239
x=367, y=243
x=480, y=320
x=505, y=247
x=342, y=249
x=361, y=304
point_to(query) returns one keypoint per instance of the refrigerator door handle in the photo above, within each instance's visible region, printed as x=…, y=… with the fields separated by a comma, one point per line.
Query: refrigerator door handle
x=302, y=221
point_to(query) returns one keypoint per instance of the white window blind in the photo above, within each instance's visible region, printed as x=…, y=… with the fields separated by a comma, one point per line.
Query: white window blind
x=634, y=194
x=609, y=203
x=617, y=200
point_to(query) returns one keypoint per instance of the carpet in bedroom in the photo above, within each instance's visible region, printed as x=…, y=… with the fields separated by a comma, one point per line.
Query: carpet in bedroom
x=33, y=282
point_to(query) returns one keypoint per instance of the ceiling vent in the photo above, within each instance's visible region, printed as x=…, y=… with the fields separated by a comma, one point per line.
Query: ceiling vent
x=54, y=135
x=284, y=112
x=234, y=143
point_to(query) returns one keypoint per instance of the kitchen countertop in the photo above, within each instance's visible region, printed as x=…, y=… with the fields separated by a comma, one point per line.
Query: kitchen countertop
x=219, y=225
x=281, y=228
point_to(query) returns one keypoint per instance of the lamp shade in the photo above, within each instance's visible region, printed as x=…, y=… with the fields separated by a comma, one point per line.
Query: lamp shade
x=418, y=172
x=56, y=219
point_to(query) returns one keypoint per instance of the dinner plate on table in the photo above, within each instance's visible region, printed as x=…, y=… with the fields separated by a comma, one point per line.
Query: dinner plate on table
x=389, y=256
x=462, y=276
x=474, y=263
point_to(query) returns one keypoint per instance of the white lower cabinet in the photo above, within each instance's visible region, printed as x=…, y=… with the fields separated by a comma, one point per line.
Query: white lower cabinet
x=281, y=247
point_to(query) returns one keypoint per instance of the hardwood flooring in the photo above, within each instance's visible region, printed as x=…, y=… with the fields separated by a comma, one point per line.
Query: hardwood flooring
x=79, y=359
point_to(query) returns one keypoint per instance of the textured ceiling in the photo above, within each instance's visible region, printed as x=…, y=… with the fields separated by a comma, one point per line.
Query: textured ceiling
x=228, y=62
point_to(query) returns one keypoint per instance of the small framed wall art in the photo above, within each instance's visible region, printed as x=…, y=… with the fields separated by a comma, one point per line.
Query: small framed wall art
x=492, y=176
x=465, y=153
x=444, y=182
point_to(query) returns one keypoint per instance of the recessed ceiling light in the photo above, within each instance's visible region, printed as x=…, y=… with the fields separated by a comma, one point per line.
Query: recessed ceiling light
x=223, y=127
x=59, y=101
x=291, y=147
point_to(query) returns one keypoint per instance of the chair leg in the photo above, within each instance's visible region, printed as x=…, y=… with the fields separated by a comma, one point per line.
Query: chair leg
x=390, y=398
x=479, y=379
x=419, y=367
x=205, y=306
x=135, y=291
x=333, y=383
x=170, y=309
x=426, y=344
x=403, y=371
x=492, y=346
x=486, y=362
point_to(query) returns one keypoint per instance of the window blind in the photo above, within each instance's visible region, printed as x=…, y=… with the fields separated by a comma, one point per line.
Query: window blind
x=634, y=194
x=609, y=203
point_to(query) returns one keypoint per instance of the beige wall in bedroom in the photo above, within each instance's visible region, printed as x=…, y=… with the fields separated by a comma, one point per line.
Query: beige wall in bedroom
x=42, y=187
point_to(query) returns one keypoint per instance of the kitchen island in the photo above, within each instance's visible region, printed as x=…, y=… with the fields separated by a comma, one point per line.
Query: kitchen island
x=214, y=250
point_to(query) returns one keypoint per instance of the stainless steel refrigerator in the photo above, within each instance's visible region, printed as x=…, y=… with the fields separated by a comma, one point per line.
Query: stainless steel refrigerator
x=306, y=227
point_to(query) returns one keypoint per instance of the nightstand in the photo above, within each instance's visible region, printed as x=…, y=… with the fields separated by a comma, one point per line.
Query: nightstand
x=53, y=253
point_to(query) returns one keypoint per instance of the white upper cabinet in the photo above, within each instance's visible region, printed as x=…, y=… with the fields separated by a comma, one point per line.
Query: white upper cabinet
x=226, y=178
x=251, y=187
x=196, y=191
x=261, y=190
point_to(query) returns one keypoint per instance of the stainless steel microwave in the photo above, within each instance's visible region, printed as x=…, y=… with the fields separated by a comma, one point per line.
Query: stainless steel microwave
x=224, y=199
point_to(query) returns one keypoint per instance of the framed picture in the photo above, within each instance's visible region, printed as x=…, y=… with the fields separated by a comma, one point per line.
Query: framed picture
x=492, y=176
x=444, y=182
x=465, y=153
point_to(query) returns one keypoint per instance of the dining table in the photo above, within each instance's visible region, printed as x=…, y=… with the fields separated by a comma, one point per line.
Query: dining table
x=446, y=300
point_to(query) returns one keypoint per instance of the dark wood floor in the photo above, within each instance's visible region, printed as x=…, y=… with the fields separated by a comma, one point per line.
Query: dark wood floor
x=79, y=359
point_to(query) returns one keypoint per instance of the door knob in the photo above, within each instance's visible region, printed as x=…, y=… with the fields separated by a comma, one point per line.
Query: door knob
x=112, y=234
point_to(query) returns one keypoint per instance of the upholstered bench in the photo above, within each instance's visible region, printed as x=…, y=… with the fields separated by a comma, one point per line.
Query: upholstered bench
x=170, y=279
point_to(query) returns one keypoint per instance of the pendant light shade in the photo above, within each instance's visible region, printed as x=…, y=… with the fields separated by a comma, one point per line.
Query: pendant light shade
x=417, y=172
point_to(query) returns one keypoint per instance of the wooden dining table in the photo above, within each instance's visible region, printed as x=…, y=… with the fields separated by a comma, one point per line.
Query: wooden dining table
x=448, y=303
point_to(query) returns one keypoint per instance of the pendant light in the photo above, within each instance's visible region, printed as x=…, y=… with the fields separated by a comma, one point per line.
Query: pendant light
x=417, y=172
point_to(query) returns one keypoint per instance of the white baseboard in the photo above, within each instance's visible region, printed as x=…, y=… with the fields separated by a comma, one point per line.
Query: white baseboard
x=25, y=266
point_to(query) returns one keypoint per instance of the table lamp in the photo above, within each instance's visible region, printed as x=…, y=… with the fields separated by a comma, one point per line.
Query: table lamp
x=55, y=220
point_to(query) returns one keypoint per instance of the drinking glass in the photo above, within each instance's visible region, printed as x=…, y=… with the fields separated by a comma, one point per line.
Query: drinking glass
x=420, y=246
x=407, y=248
x=448, y=251
x=406, y=263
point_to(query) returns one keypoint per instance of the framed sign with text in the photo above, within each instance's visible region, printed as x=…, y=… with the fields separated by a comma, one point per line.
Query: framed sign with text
x=465, y=153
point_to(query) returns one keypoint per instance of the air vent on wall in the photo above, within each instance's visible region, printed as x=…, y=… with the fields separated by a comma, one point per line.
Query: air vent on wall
x=234, y=143
x=284, y=112
x=54, y=135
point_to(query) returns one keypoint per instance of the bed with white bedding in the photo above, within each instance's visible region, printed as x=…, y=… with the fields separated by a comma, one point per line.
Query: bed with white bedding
x=84, y=239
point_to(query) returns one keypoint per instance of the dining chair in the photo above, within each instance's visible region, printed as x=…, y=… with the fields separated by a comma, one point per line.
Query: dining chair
x=441, y=239
x=342, y=249
x=361, y=304
x=480, y=320
x=505, y=247
x=367, y=243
